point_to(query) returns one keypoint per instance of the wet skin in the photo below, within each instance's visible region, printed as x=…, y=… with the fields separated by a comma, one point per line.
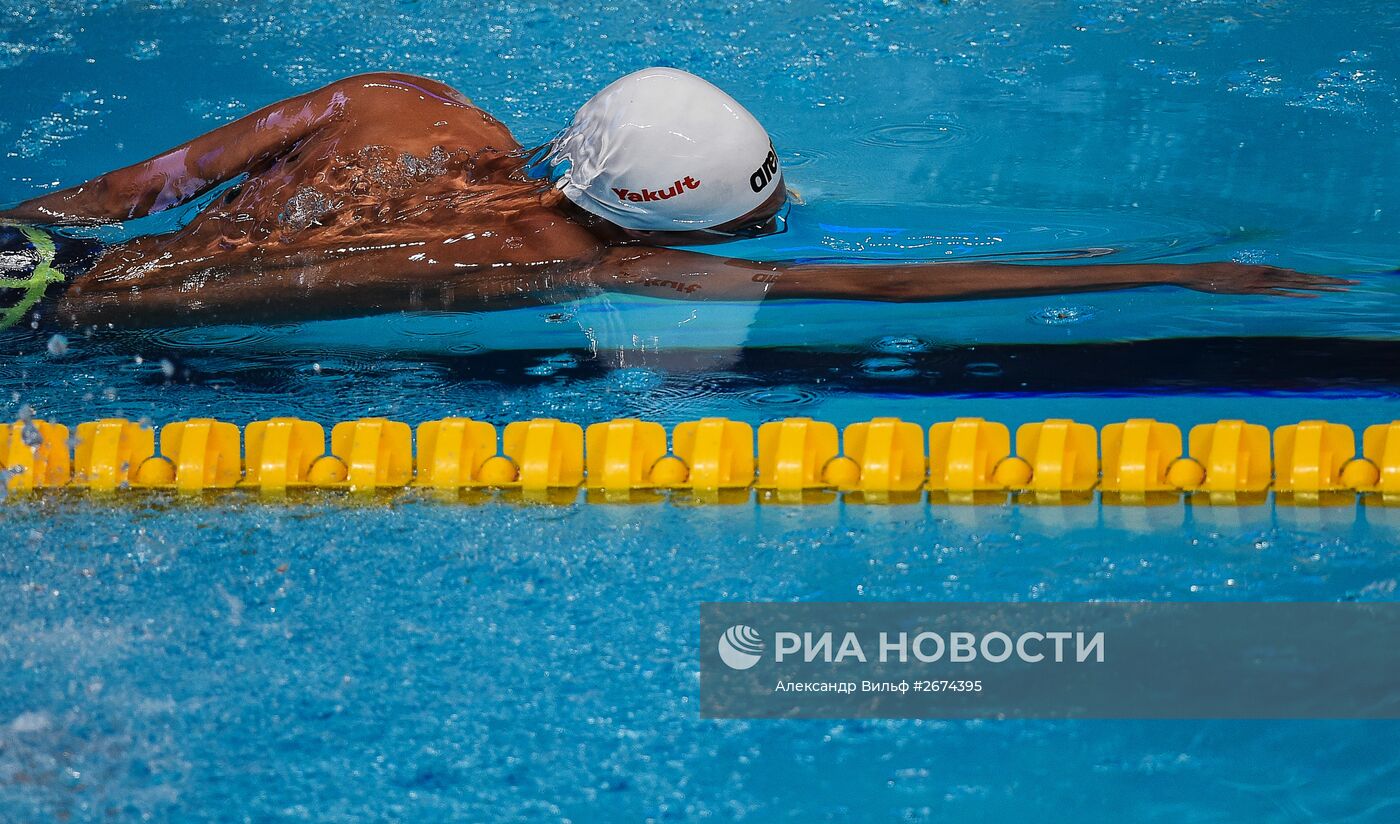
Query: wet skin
x=386, y=192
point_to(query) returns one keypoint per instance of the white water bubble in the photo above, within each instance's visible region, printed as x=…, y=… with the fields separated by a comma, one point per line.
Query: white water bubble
x=1063, y=315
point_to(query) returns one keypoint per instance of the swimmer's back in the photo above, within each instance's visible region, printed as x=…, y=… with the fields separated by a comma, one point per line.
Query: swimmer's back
x=402, y=174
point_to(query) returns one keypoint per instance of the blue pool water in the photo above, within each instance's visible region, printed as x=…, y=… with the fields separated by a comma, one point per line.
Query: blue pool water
x=407, y=659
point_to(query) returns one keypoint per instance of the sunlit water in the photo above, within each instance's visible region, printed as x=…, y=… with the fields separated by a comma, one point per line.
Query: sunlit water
x=407, y=659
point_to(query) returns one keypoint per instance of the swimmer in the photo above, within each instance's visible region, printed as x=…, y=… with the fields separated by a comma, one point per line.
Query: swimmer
x=387, y=192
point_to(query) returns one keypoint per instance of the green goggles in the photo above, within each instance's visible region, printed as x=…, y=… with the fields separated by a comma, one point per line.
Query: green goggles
x=37, y=283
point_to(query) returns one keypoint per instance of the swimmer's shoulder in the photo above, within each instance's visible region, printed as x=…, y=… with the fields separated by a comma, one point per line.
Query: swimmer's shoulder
x=394, y=85
x=394, y=107
x=392, y=94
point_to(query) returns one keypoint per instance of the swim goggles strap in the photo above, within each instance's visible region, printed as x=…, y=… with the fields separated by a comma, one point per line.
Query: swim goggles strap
x=38, y=281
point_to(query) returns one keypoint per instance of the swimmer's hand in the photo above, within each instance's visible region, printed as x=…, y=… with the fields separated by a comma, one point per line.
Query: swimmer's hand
x=1252, y=279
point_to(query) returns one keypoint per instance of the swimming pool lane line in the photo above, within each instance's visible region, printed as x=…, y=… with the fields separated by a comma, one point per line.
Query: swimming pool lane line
x=967, y=460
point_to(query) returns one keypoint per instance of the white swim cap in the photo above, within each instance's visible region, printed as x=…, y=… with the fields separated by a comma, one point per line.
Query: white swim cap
x=663, y=150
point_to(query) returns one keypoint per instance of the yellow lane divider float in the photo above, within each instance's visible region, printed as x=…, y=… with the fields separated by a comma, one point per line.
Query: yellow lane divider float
x=796, y=459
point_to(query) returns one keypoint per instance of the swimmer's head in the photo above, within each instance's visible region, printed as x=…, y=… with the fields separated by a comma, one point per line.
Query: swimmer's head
x=662, y=151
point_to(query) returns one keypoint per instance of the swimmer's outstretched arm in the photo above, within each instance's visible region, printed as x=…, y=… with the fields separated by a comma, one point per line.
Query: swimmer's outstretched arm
x=182, y=173
x=368, y=284
x=244, y=146
x=676, y=273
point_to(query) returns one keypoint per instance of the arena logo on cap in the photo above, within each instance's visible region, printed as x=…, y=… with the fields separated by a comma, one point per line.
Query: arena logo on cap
x=764, y=174
x=680, y=187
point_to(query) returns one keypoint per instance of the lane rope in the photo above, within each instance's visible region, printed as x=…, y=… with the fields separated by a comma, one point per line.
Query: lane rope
x=968, y=460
